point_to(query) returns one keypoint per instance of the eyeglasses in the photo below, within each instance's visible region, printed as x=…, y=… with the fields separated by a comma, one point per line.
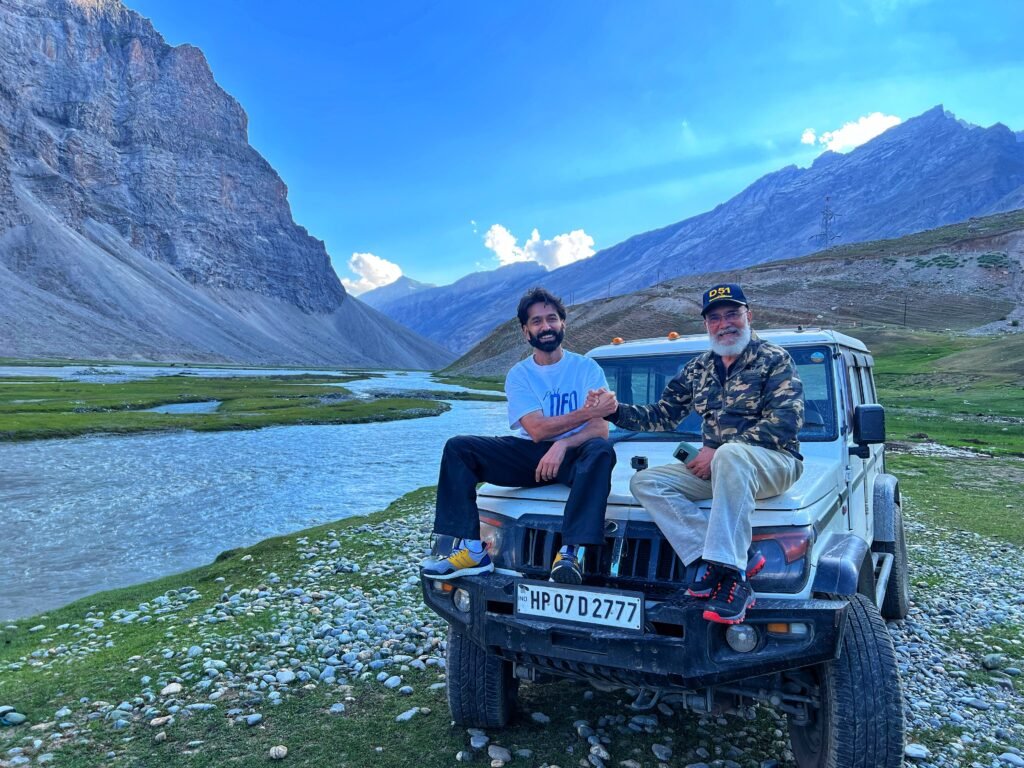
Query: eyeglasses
x=731, y=316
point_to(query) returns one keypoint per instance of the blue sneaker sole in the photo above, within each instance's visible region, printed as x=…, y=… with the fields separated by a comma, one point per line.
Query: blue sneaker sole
x=461, y=572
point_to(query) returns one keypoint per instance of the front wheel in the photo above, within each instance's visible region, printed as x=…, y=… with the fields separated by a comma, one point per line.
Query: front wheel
x=481, y=687
x=859, y=723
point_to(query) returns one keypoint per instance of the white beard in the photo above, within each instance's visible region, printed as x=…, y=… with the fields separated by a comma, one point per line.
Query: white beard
x=734, y=348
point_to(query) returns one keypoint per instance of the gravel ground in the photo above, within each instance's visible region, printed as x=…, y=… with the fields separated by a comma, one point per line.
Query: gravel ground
x=959, y=652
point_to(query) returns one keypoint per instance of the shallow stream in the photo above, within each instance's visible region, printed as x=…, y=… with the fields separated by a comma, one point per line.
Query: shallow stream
x=92, y=513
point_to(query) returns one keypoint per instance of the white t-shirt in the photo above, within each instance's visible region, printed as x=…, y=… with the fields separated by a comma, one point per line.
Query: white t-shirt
x=554, y=390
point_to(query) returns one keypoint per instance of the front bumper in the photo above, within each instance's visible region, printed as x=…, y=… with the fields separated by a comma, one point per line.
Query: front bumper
x=678, y=649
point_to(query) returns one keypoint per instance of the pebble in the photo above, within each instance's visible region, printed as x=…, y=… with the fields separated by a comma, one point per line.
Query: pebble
x=478, y=741
x=1012, y=759
x=540, y=717
x=917, y=752
x=408, y=715
x=252, y=720
x=496, y=752
x=337, y=709
x=171, y=689
x=661, y=752
x=280, y=752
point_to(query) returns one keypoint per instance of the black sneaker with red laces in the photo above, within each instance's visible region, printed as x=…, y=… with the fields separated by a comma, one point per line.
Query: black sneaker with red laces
x=729, y=602
x=708, y=575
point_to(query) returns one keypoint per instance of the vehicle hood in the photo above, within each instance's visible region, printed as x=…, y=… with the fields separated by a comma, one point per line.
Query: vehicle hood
x=821, y=477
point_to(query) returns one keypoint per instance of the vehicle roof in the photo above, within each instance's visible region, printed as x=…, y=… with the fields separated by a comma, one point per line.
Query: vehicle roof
x=784, y=337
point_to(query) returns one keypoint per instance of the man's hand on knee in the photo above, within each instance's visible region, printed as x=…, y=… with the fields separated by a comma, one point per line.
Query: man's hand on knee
x=701, y=464
x=547, y=470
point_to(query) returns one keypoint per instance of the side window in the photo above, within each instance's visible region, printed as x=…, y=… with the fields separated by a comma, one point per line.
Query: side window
x=869, y=385
x=845, y=371
x=853, y=374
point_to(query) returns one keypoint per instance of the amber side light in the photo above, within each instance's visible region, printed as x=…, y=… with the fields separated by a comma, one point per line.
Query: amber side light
x=672, y=335
x=617, y=340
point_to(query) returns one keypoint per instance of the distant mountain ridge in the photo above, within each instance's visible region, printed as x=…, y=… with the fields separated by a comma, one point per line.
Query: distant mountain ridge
x=967, y=277
x=399, y=289
x=931, y=170
x=477, y=299
x=137, y=222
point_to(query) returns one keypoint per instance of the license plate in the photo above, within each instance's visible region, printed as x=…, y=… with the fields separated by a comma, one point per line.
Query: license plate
x=605, y=608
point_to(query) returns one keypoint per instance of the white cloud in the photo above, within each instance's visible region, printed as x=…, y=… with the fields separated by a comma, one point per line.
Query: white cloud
x=503, y=243
x=373, y=272
x=557, y=252
x=852, y=135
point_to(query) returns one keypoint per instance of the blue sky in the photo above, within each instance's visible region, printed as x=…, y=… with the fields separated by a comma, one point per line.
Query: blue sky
x=411, y=130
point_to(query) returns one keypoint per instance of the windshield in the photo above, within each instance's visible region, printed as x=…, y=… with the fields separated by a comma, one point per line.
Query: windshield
x=641, y=380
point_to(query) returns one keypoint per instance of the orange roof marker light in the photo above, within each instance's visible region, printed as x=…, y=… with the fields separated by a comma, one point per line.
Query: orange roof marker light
x=617, y=340
x=672, y=335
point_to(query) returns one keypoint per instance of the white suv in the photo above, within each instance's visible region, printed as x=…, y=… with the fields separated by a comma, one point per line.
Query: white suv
x=815, y=646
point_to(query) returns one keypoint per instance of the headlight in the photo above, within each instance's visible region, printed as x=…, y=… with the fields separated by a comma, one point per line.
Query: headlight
x=491, y=534
x=742, y=638
x=462, y=600
x=785, y=551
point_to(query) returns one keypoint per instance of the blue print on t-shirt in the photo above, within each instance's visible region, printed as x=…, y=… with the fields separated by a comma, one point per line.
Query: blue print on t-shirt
x=560, y=404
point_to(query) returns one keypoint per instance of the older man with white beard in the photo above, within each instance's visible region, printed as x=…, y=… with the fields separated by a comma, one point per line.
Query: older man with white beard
x=751, y=401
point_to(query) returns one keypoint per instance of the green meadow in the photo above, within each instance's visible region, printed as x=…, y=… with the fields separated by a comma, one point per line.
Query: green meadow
x=38, y=407
x=959, y=391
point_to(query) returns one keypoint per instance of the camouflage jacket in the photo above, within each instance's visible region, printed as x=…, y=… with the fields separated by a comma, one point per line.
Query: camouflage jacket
x=760, y=403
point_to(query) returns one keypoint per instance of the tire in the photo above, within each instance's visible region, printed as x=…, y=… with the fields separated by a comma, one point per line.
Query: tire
x=860, y=721
x=481, y=687
x=896, y=602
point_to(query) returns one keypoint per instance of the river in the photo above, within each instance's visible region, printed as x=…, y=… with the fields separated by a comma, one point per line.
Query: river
x=86, y=514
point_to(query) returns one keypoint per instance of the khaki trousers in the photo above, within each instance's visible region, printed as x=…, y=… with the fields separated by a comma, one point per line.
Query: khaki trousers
x=740, y=474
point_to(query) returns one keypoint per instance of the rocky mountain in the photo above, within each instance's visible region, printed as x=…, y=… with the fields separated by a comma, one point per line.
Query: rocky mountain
x=967, y=277
x=929, y=171
x=387, y=294
x=136, y=221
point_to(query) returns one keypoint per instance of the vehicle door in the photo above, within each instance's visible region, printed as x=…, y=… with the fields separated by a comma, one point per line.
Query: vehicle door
x=859, y=472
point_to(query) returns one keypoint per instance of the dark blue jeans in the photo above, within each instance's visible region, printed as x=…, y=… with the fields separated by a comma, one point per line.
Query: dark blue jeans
x=512, y=462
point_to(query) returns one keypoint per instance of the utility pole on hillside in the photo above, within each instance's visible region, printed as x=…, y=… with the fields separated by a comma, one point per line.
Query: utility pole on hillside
x=827, y=234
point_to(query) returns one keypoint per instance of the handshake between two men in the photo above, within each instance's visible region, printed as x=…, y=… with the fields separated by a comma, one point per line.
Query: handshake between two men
x=604, y=403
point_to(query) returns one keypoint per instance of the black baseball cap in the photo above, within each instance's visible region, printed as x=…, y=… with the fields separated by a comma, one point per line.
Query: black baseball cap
x=725, y=293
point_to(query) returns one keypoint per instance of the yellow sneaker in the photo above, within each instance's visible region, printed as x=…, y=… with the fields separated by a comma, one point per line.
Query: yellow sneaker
x=567, y=569
x=460, y=562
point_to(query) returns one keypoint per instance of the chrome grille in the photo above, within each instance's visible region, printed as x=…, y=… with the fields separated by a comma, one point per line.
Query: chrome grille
x=634, y=555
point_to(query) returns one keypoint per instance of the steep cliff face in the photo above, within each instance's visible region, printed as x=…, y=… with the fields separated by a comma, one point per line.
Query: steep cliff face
x=126, y=169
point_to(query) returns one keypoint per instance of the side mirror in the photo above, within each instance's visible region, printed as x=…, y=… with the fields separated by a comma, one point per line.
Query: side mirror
x=868, y=428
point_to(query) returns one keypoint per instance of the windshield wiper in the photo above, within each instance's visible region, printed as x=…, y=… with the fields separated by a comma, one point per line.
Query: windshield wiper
x=626, y=435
